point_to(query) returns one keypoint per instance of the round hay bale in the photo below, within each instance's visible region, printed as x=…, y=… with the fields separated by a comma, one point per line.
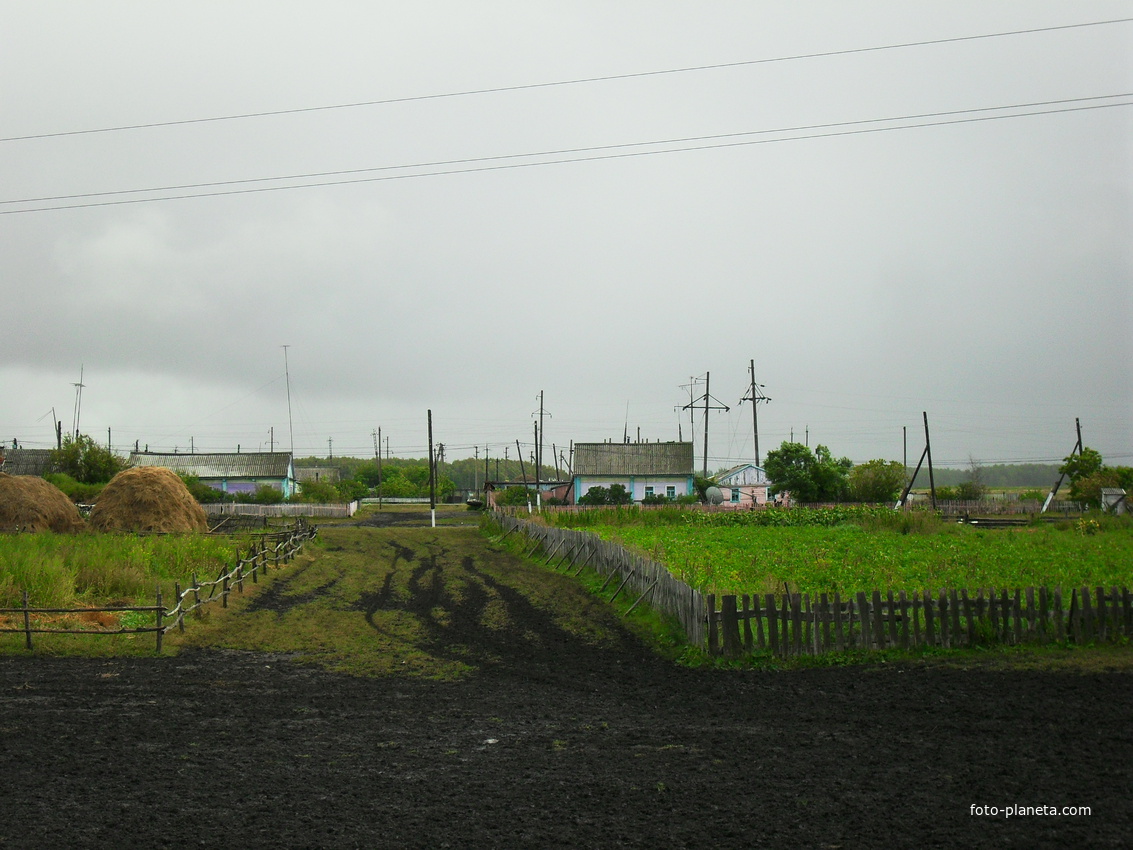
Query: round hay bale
x=30, y=503
x=147, y=498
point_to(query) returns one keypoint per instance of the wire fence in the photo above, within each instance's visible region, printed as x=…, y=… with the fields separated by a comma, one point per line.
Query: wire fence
x=265, y=552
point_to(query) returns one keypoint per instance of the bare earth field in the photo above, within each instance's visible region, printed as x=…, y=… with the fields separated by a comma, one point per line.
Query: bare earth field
x=552, y=738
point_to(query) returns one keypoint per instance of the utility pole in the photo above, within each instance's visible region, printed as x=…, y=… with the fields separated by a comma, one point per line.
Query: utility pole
x=1077, y=448
x=271, y=438
x=927, y=453
x=523, y=471
x=330, y=448
x=755, y=396
x=78, y=402
x=377, y=435
x=432, y=476
x=287, y=377
x=538, y=499
x=707, y=398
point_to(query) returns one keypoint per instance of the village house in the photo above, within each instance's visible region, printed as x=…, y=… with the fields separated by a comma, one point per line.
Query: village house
x=230, y=472
x=644, y=469
x=744, y=486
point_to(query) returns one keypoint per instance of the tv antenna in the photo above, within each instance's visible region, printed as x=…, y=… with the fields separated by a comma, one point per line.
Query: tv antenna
x=287, y=378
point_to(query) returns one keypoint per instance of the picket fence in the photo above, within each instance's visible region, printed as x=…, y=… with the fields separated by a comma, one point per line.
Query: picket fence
x=789, y=624
x=266, y=551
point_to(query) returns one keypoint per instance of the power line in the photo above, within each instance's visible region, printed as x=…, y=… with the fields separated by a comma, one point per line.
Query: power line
x=572, y=159
x=554, y=83
x=558, y=152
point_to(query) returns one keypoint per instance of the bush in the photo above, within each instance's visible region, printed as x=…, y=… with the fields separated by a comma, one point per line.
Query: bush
x=74, y=490
x=513, y=497
x=85, y=461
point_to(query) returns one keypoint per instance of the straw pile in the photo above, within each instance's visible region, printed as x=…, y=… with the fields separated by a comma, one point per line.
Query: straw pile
x=30, y=503
x=147, y=498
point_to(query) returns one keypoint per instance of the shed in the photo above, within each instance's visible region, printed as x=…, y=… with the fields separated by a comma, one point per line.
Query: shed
x=744, y=486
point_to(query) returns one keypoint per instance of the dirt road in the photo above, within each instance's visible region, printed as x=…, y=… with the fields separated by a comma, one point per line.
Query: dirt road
x=547, y=734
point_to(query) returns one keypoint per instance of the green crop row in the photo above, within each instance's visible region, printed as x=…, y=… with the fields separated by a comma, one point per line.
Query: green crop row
x=850, y=558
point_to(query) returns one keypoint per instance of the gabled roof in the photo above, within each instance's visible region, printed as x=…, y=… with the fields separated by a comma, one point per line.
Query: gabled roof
x=227, y=465
x=26, y=461
x=633, y=459
x=724, y=477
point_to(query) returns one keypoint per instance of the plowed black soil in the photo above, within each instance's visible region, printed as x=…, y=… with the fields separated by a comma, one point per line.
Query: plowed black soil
x=555, y=743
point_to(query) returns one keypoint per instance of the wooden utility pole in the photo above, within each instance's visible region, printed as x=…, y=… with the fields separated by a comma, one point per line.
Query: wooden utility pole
x=523, y=472
x=1077, y=448
x=432, y=476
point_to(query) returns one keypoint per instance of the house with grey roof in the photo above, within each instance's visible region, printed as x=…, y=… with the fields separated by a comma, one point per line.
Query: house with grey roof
x=644, y=469
x=26, y=461
x=229, y=472
x=744, y=486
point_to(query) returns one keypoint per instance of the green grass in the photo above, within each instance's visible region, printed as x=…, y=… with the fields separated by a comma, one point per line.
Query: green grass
x=873, y=553
x=68, y=570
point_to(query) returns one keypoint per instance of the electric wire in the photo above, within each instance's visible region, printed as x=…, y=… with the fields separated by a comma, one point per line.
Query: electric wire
x=579, y=81
x=560, y=151
x=573, y=159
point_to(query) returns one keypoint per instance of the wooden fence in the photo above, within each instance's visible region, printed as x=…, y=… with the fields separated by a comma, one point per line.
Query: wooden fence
x=266, y=551
x=801, y=624
x=645, y=579
x=290, y=509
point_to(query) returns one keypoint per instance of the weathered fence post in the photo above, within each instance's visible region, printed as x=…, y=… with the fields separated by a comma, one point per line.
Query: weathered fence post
x=729, y=622
x=160, y=613
x=27, y=622
x=180, y=613
x=713, y=634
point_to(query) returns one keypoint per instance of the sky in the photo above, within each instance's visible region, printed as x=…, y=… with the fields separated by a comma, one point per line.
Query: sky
x=893, y=208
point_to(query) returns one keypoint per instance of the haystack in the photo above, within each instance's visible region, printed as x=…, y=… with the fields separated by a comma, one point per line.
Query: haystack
x=30, y=503
x=147, y=498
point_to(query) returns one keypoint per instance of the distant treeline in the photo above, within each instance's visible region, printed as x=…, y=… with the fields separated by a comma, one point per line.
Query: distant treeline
x=468, y=473
x=465, y=474
x=1041, y=475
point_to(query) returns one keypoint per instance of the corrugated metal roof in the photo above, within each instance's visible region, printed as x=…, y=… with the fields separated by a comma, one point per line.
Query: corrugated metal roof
x=26, y=461
x=329, y=474
x=228, y=465
x=633, y=459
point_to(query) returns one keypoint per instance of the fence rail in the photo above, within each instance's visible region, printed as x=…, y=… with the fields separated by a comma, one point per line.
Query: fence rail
x=804, y=624
x=293, y=509
x=267, y=550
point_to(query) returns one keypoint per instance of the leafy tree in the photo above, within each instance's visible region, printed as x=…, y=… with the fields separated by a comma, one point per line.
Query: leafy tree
x=86, y=461
x=972, y=488
x=615, y=494
x=1078, y=466
x=352, y=490
x=513, y=496
x=877, y=481
x=809, y=476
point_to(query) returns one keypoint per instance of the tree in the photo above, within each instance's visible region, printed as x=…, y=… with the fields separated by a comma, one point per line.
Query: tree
x=972, y=488
x=1079, y=467
x=809, y=476
x=86, y=461
x=877, y=481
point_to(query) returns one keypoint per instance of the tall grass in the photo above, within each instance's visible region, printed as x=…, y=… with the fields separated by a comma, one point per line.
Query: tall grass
x=66, y=570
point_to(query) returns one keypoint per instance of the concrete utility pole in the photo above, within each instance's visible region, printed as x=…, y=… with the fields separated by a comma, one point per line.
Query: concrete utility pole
x=755, y=396
x=287, y=379
x=707, y=398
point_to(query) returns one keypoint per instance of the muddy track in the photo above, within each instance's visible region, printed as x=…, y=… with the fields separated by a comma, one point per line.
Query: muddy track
x=554, y=741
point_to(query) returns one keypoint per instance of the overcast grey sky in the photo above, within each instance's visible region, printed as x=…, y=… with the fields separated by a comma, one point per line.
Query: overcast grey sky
x=980, y=271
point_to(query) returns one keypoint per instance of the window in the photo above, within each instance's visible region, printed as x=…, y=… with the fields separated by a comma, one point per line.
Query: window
x=648, y=492
x=670, y=492
x=735, y=494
